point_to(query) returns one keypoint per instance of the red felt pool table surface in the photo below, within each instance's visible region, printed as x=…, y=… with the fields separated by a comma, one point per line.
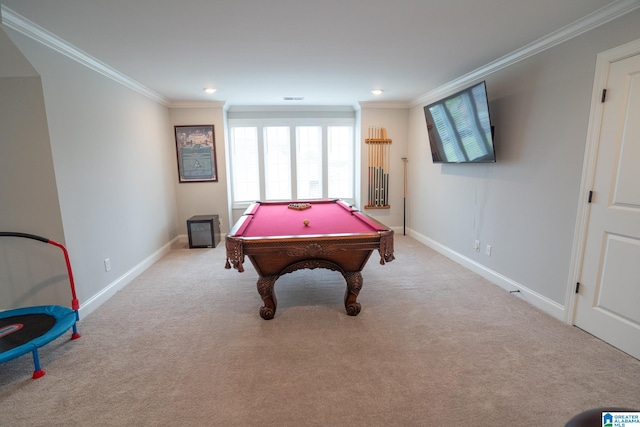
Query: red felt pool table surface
x=276, y=240
x=271, y=219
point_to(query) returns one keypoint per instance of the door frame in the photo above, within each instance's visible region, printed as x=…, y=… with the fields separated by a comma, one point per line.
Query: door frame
x=603, y=63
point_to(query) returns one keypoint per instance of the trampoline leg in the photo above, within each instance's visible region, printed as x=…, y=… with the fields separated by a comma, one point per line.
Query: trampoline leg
x=75, y=335
x=36, y=361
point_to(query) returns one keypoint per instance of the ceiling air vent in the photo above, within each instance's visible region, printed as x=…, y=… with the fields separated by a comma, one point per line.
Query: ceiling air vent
x=293, y=98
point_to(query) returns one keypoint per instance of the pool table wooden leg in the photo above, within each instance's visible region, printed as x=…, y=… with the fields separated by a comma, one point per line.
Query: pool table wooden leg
x=354, y=284
x=265, y=289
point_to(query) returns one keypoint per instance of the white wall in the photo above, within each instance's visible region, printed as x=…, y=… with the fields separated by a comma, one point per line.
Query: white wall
x=113, y=158
x=524, y=205
x=202, y=198
x=31, y=272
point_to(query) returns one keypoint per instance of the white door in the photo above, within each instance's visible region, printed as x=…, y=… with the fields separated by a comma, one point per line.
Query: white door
x=608, y=301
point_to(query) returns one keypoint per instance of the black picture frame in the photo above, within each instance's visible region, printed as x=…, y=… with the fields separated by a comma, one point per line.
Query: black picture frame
x=196, y=152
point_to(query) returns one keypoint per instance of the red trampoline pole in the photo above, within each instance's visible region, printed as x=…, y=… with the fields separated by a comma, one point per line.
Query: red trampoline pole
x=75, y=305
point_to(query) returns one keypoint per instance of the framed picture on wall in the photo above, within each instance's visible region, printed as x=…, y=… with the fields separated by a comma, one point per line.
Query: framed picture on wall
x=196, y=149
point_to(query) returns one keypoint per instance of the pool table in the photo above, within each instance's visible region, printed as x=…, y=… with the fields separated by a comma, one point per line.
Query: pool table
x=282, y=237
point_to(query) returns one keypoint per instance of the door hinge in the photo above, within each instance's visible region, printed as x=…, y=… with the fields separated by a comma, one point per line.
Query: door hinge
x=604, y=95
x=577, y=287
x=590, y=196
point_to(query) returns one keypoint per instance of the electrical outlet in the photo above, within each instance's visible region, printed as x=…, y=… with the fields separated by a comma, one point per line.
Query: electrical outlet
x=107, y=264
x=487, y=250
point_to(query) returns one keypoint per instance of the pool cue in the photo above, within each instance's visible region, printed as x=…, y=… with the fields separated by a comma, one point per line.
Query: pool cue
x=370, y=151
x=372, y=162
x=386, y=174
x=379, y=187
x=373, y=168
x=386, y=166
x=375, y=174
x=383, y=147
x=372, y=178
x=382, y=189
x=369, y=160
x=389, y=170
x=380, y=149
x=370, y=171
x=404, y=198
x=380, y=175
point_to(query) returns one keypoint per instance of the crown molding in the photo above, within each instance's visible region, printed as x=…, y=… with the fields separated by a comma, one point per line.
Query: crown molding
x=30, y=29
x=197, y=104
x=290, y=108
x=589, y=22
x=377, y=104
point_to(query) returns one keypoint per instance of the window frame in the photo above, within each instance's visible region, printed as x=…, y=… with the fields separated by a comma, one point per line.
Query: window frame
x=292, y=123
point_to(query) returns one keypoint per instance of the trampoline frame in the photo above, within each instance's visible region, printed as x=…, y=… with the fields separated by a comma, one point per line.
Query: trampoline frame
x=65, y=318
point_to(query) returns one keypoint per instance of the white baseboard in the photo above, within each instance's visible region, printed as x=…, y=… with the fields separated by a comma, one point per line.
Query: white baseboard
x=101, y=297
x=539, y=301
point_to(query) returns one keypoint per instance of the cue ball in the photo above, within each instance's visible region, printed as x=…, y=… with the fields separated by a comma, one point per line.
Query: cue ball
x=306, y=222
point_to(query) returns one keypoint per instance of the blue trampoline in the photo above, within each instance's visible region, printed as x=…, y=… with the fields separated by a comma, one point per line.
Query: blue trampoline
x=24, y=330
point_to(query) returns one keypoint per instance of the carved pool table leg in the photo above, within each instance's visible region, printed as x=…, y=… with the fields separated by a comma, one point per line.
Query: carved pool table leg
x=265, y=289
x=354, y=284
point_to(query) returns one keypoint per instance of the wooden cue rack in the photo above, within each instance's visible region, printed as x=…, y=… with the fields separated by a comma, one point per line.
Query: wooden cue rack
x=378, y=150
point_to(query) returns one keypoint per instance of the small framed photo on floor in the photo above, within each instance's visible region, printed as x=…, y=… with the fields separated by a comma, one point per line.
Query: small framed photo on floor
x=196, y=149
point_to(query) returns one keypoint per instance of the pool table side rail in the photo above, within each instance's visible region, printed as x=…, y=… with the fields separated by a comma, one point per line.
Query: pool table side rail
x=235, y=246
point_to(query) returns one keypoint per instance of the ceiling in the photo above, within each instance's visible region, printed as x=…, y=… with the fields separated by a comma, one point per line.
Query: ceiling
x=331, y=52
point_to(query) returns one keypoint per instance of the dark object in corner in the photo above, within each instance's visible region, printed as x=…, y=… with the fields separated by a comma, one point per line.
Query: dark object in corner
x=203, y=231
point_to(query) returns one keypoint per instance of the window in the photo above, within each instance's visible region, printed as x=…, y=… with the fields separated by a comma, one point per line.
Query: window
x=309, y=162
x=291, y=159
x=340, y=161
x=245, y=158
x=277, y=163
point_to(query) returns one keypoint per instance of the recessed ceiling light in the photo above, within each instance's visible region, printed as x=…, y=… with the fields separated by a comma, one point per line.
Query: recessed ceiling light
x=377, y=91
x=209, y=89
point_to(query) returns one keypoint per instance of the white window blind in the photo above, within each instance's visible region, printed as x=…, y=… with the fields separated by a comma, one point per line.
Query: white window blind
x=245, y=161
x=277, y=161
x=309, y=162
x=340, y=162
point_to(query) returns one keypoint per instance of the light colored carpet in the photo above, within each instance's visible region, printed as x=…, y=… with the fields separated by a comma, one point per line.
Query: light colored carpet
x=434, y=345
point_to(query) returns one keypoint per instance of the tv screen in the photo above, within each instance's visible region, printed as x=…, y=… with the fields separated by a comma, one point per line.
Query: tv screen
x=459, y=127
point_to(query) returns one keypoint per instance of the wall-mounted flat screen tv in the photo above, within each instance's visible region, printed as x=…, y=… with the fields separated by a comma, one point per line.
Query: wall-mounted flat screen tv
x=459, y=127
